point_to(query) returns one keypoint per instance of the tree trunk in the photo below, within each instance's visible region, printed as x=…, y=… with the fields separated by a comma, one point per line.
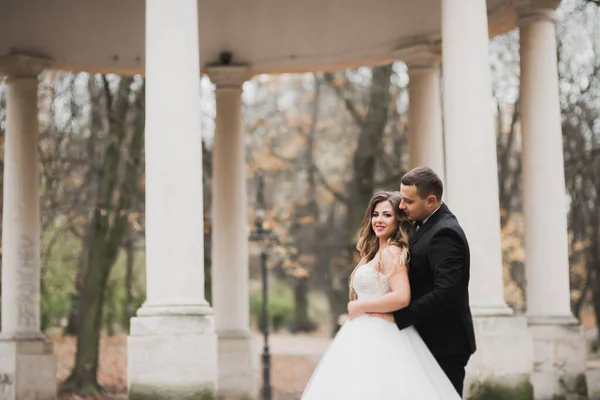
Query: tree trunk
x=328, y=246
x=302, y=322
x=83, y=378
x=109, y=225
x=129, y=249
x=71, y=328
x=308, y=233
x=110, y=315
x=207, y=186
x=96, y=128
x=368, y=151
x=577, y=304
x=508, y=174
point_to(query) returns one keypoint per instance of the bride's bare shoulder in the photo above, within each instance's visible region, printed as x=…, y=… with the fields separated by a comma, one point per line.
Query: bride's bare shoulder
x=393, y=250
x=393, y=258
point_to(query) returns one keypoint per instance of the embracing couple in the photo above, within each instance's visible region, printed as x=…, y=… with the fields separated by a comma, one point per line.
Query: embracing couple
x=410, y=330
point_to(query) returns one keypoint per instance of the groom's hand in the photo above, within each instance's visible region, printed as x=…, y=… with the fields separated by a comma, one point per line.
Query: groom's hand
x=387, y=316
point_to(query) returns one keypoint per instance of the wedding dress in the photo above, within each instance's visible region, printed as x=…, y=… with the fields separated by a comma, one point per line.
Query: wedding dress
x=371, y=359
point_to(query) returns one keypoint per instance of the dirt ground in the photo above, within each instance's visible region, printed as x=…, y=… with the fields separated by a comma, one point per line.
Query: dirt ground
x=294, y=358
x=289, y=375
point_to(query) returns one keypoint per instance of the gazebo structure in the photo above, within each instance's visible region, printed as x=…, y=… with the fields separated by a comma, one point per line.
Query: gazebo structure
x=181, y=346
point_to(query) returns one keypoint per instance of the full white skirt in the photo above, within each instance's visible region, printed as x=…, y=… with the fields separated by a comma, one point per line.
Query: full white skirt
x=370, y=358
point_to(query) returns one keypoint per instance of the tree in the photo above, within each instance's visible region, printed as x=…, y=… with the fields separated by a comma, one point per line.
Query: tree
x=64, y=160
x=372, y=116
x=579, y=70
x=116, y=187
x=297, y=217
x=340, y=139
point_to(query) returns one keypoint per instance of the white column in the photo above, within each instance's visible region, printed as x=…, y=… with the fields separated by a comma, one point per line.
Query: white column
x=172, y=347
x=504, y=346
x=546, y=245
x=471, y=166
x=229, y=205
x=425, y=135
x=230, y=281
x=174, y=214
x=560, y=348
x=22, y=343
x=21, y=213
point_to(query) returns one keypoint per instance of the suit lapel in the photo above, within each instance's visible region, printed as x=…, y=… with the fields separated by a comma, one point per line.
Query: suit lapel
x=430, y=222
x=420, y=232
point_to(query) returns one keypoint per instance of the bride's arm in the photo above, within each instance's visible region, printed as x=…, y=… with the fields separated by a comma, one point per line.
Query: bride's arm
x=398, y=298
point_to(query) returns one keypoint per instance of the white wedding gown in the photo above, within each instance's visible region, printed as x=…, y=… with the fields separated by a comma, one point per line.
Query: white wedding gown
x=371, y=359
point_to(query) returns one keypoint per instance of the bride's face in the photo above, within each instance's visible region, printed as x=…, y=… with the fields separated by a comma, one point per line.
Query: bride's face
x=383, y=220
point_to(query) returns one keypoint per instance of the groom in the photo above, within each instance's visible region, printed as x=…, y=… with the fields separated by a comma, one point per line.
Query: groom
x=438, y=274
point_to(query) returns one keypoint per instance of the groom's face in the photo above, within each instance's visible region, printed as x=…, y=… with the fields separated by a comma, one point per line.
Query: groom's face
x=415, y=208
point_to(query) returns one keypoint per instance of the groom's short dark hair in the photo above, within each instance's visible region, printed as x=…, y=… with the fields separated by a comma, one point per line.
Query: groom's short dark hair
x=426, y=181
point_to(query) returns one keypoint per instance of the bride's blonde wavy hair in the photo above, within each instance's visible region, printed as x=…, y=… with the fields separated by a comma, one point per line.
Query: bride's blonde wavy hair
x=368, y=242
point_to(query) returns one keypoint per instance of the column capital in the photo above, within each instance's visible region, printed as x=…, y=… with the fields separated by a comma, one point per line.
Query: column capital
x=536, y=10
x=22, y=66
x=228, y=76
x=420, y=55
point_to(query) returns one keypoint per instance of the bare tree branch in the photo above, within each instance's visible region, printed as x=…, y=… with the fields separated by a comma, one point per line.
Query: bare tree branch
x=341, y=197
x=390, y=179
x=315, y=111
x=350, y=106
x=274, y=153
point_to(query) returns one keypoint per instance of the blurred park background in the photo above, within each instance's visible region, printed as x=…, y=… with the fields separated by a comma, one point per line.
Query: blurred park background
x=310, y=136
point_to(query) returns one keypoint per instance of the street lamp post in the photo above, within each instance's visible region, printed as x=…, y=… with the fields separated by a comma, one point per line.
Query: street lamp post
x=262, y=236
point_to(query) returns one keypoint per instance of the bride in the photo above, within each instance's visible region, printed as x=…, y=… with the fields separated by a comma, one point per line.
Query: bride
x=370, y=358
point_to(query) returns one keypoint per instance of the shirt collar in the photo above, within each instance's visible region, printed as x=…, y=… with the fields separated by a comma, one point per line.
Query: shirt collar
x=425, y=220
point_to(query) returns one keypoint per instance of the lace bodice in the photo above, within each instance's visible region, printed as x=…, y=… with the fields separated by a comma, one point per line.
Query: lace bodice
x=370, y=284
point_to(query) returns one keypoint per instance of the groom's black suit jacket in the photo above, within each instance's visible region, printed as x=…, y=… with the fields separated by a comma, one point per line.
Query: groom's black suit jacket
x=439, y=279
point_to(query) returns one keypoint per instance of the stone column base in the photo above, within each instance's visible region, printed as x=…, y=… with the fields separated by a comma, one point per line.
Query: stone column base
x=560, y=359
x=27, y=370
x=593, y=380
x=504, y=357
x=172, y=357
x=238, y=366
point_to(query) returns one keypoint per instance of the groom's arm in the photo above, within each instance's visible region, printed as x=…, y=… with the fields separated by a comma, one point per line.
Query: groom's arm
x=446, y=257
